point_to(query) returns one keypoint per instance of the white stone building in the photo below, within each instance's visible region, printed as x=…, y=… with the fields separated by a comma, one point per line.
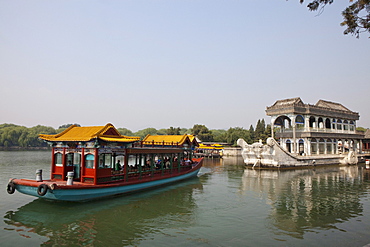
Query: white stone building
x=322, y=129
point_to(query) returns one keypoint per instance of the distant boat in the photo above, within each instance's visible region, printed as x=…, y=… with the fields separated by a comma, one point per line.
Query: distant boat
x=89, y=163
x=209, y=150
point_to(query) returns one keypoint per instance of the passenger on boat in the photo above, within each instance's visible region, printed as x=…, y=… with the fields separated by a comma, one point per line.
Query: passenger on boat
x=188, y=162
x=101, y=164
x=158, y=164
x=147, y=164
x=118, y=166
x=166, y=162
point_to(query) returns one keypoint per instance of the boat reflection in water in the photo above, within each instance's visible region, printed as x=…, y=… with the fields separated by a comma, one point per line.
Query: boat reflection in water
x=304, y=200
x=114, y=222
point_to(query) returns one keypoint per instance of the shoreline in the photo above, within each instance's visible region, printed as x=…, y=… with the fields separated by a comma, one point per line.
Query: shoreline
x=25, y=148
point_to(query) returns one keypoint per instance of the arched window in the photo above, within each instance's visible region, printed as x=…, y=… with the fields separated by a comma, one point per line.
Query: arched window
x=89, y=161
x=301, y=146
x=321, y=123
x=58, y=159
x=321, y=146
x=288, y=146
x=327, y=123
x=345, y=125
x=351, y=126
x=334, y=126
x=329, y=145
x=313, y=146
x=283, y=122
x=299, y=120
x=312, y=122
x=339, y=124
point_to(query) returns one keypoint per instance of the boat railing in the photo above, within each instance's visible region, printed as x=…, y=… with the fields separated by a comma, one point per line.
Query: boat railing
x=157, y=144
x=144, y=173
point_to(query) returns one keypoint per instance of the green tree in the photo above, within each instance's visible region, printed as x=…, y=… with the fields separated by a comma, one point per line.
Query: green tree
x=260, y=130
x=267, y=132
x=252, y=133
x=143, y=133
x=14, y=135
x=356, y=17
x=202, y=132
x=233, y=134
x=162, y=132
x=184, y=131
x=173, y=131
x=219, y=135
x=125, y=132
x=65, y=126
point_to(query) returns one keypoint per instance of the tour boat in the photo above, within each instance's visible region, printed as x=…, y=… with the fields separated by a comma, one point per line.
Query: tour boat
x=209, y=150
x=89, y=163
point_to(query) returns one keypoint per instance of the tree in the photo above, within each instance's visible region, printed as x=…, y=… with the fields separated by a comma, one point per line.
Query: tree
x=184, y=131
x=251, y=132
x=173, y=131
x=356, y=17
x=162, y=132
x=65, y=126
x=233, y=134
x=20, y=136
x=143, y=133
x=267, y=131
x=260, y=130
x=125, y=132
x=202, y=132
x=219, y=135
x=362, y=129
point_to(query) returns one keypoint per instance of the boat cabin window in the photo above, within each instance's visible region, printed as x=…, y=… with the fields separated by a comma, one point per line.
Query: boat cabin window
x=89, y=161
x=73, y=159
x=76, y=159
x=69, y=159
x=58, y=157
x=105, y=161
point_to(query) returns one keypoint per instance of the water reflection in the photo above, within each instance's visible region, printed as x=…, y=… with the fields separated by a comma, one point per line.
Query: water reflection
x=305, y=200
x=117, y=221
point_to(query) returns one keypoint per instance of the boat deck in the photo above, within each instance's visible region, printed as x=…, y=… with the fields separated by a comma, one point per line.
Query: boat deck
x=122, y=179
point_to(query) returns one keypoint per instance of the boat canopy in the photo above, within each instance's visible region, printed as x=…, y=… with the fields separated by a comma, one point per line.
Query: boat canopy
x=210, y=147
x=107, y=133
x=169, y=140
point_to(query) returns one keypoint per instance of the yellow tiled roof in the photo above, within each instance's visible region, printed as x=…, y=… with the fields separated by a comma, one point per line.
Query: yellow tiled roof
x=213, y=146
x=75, y=133
x=191, y=137
x=167, y=139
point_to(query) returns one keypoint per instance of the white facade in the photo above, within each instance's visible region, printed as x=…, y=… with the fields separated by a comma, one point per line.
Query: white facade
x=322, y=129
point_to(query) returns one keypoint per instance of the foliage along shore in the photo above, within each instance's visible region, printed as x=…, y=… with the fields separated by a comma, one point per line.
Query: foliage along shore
x=16, y=137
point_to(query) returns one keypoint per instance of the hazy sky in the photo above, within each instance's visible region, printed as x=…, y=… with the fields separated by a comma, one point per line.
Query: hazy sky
x=162, y=63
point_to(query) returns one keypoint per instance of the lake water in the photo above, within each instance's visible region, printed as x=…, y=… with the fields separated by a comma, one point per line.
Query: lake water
x=227, y=205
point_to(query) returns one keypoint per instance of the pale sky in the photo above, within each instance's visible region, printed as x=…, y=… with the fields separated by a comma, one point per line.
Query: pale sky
x=162, y=63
